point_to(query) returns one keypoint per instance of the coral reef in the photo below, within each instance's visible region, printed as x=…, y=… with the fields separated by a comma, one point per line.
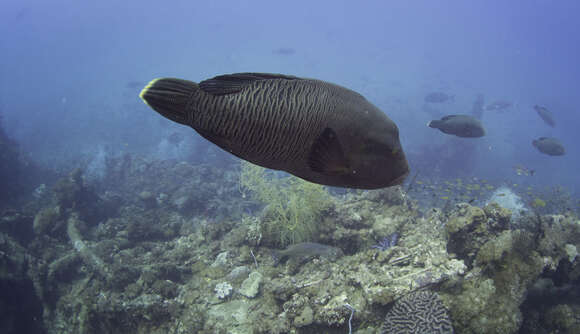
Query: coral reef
x=149, y=253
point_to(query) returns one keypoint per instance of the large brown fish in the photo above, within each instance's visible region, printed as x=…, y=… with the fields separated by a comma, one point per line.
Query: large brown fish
x=549, y=146
x=321, y=132
x=459, y=125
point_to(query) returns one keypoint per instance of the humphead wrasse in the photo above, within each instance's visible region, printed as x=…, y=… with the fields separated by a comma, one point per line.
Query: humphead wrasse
x=318, y=131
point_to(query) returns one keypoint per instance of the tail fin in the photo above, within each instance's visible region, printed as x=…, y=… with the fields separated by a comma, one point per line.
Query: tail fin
x=170, y=98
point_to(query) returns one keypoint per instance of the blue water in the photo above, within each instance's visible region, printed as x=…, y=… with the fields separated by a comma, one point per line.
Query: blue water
x=71, y=71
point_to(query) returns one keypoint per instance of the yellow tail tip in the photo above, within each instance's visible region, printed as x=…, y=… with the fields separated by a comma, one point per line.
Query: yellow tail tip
x=144, y=90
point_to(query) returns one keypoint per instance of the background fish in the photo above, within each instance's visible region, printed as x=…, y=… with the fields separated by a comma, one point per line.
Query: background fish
x=438, y=97
x=459, y=125
x=306, y=250
x=549, y=146
x=545, y=115
x=321, y=132
x=499, y=105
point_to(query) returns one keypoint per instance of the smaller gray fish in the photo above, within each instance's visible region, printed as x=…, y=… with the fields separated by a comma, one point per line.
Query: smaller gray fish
x=549, y=146
x=306, y=250
x=439, y=97
x=545, y=115
x=459, y=125
x=499, y=105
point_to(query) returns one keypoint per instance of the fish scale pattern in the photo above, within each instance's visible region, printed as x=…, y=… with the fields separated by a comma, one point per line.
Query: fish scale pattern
x=419, y=312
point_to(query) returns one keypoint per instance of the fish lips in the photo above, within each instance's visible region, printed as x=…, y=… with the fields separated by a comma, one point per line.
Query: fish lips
x=399, y=180
x=400, y=170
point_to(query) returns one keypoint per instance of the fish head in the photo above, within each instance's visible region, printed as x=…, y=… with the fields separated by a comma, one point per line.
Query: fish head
x=375, y=153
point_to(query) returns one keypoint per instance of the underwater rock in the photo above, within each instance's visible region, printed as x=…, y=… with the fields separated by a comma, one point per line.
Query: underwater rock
x=305, y=318
x=230, y=317
x=183, y=204
x=467, y=231
x=148, y=199
x=85, y=252
x=557, y=231
x=474, y=309
x=334, y=313
x=45, y=220
x=498, y=217
x=238, y=272
x=165, y=288
x=294, y=304
x=251, y=286
x=63, y=269
x=563, y=318
x=572, y=252
x=490, y=298
x=221, y=260
x=254, y=232
x=150, y=225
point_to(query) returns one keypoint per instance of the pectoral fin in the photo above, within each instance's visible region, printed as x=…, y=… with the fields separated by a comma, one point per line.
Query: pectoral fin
x=327, y=155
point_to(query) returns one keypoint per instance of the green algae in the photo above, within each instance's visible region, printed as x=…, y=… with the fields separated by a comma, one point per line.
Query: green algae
x=293, y=206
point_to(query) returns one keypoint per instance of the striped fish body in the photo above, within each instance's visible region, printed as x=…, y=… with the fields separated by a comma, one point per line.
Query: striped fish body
x=315, y=130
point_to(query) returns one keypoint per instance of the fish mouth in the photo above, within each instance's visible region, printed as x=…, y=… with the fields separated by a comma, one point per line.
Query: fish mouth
x=399, y=180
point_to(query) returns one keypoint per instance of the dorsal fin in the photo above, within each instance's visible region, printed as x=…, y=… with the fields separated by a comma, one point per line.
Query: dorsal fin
x=234, y=83
x=448, y=117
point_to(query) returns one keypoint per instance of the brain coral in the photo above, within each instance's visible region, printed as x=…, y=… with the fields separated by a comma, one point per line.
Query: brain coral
x=418, y=312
